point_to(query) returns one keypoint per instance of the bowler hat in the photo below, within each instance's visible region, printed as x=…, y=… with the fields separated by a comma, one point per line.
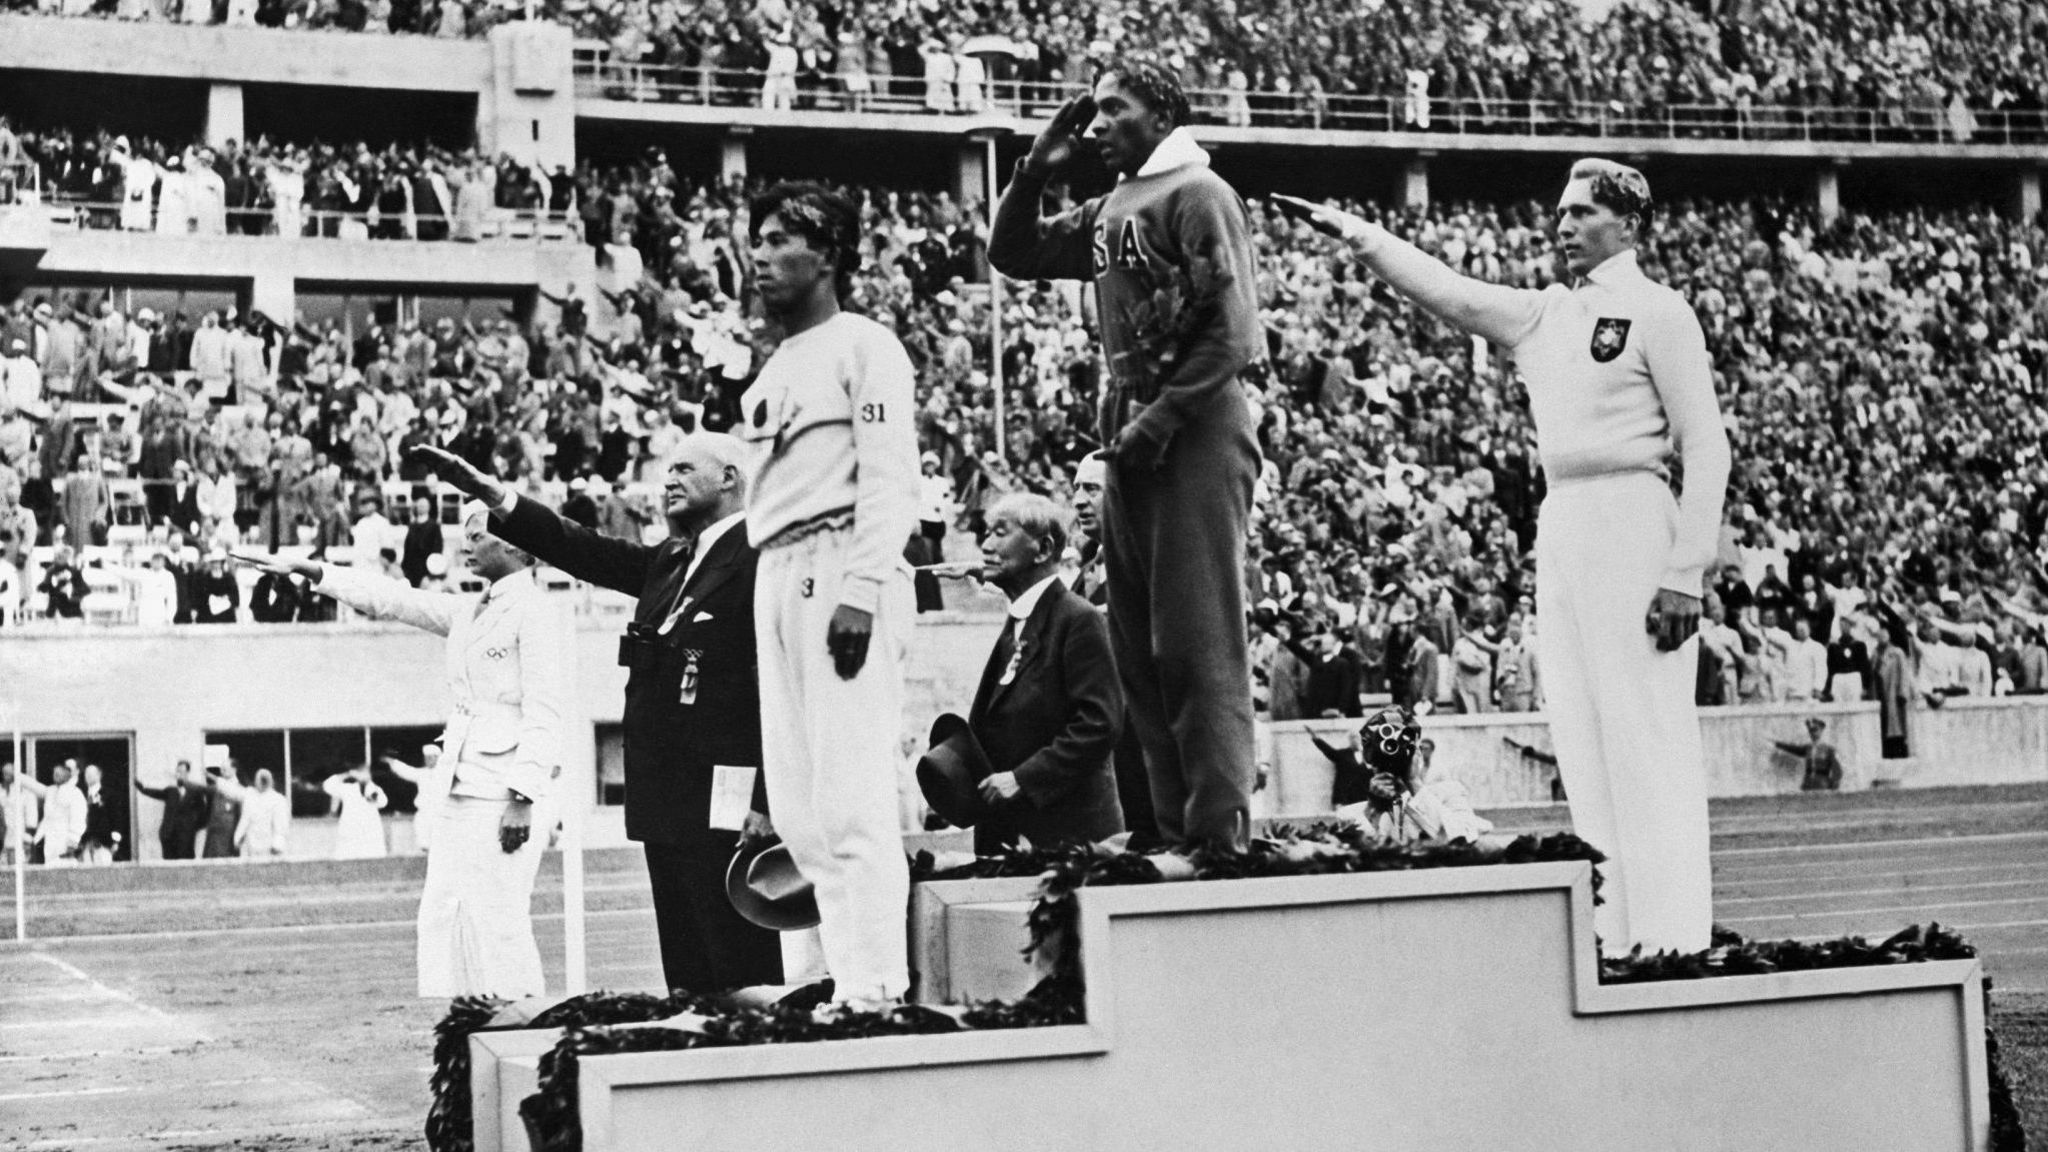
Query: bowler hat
x=951, y=772
x=767, y=890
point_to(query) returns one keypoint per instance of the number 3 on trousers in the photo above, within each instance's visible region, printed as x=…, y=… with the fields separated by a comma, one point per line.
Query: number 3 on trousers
x=873, y=413
x=809, y=587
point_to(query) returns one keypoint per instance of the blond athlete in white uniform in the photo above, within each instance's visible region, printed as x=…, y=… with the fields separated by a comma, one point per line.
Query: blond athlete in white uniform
x=510, y=659
x=834, y=497
x=1618, y=375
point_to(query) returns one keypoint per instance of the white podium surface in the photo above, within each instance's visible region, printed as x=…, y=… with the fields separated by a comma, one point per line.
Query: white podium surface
x=1447, y=1008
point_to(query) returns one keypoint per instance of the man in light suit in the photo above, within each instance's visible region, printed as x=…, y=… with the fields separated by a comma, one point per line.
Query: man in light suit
x=1049, y=709
x=510, y=658
x=693, y=708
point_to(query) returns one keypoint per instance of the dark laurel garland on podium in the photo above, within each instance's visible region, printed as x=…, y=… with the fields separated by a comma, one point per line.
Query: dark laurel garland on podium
x=1296, y=850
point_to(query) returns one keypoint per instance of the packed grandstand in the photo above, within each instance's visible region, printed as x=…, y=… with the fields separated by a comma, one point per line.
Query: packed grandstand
x=1881, y=369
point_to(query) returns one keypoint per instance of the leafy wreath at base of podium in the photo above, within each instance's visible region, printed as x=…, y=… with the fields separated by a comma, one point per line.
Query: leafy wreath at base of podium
x=589, y=1021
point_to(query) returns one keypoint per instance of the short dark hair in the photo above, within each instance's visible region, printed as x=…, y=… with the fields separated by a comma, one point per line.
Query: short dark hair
x=1157, y=88
x=1618, y=188
x=824, y=218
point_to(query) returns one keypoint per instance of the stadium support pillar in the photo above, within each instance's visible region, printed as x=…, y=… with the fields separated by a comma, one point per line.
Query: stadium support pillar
x=224, y=119
x=1415, y=182
x=1827, y=192
x=732, y=152
x=972, y=181
x=274, y=295
x=2026, y=193
x=529, y=109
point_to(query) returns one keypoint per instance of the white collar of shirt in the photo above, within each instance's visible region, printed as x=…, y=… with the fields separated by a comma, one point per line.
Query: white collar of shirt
x=1616, y=268
x=505, y=585
x=1020, y=608
x=707, y=538
x=1178, y=150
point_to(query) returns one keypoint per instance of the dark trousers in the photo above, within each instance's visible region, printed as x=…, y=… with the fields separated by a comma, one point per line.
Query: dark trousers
x=1134, y=785
x=705, y=945
x=1174, y=544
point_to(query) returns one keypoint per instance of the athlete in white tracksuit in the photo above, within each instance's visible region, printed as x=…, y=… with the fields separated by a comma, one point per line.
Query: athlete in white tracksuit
x=833, y=498
x=1618, y=374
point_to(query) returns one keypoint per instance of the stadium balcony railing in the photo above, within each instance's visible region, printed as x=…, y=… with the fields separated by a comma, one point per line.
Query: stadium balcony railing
x=21, y=185
x=1927, y=122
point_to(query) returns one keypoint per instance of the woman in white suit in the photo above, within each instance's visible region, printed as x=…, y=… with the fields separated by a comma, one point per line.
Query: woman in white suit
x=509, y=658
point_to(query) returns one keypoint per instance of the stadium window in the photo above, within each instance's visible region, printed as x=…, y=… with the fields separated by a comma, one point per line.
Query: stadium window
x=114, y=752
x=316, y=754
x=611, y=765
x=250, y=750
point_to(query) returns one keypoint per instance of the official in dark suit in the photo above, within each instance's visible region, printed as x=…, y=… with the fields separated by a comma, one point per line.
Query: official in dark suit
x=187, y=803
x=692, y=698
x=1133, y=784
x=1049, y=709
x=181, y=502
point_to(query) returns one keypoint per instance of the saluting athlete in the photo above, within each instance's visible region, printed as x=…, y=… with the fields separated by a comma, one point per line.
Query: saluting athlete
x=833, y=497
x=1618, y=377
x=1174, y=424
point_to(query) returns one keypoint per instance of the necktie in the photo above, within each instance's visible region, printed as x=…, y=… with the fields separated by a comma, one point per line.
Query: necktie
x=682, y=603
x=1006, y=651
x=482, y=602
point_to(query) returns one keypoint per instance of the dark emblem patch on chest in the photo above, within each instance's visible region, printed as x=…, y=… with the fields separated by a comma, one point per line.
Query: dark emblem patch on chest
x=1610, y=336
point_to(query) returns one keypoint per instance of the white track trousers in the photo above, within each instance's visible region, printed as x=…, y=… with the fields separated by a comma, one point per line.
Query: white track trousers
x=1622, y=718
x=829, y=749
x=476, y=913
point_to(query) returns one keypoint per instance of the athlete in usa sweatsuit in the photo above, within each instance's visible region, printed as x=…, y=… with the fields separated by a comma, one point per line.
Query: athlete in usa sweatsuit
x=1179, y=434
x=1618, y=375
x=834, y=496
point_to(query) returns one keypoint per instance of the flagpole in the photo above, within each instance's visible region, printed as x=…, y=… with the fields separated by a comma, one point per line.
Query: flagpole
x=19, y=832
x=575, y=960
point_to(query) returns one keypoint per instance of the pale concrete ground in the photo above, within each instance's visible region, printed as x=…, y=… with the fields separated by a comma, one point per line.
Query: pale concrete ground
x=219, y=1015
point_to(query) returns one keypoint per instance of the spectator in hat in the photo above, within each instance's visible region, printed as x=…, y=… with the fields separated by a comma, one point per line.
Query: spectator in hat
x=1823, y=768
x=63, y=586
x=215, y=595
x=224, y=792
x=1048, y=709
x=21, y=378
x=579, y=507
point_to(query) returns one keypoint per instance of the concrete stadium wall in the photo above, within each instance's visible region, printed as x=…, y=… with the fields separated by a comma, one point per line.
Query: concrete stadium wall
x=270, y=271
x=1966, y=741
x=244, y=55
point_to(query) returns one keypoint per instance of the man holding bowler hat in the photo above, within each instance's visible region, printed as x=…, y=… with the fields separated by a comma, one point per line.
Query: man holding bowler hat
x=1036, y=745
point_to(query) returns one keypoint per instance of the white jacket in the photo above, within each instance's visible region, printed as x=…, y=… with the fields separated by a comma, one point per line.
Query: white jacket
x=509, y=667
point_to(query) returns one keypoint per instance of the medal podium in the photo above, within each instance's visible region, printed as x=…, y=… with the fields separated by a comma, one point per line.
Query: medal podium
x=1444, y=1008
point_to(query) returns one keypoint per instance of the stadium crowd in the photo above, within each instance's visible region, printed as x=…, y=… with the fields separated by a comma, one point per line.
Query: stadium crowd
x=265, y=188
x=1882, y=379
x=1889, y=56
